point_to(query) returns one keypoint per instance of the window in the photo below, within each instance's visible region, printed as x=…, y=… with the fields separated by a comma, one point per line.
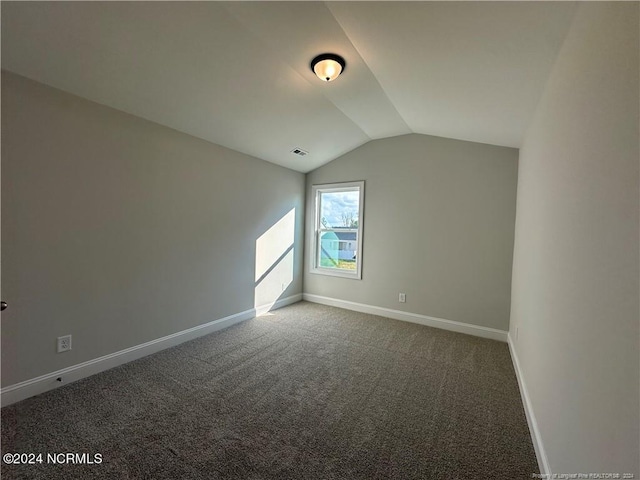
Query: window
x=337, y=239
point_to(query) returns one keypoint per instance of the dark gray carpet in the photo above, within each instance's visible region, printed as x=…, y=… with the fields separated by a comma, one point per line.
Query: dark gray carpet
x=308, y=391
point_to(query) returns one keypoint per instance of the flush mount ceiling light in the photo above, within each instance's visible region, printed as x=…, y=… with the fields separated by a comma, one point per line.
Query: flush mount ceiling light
x=328, y=66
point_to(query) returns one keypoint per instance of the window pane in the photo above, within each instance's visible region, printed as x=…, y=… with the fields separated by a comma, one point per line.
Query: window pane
x=339, y=212
x=339, y=209
x=336, y=254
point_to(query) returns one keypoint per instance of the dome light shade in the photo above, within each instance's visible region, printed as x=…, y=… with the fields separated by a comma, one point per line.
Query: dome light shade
x=328, y=66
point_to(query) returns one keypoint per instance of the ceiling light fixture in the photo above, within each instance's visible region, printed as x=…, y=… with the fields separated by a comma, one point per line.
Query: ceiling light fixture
x=328, y=66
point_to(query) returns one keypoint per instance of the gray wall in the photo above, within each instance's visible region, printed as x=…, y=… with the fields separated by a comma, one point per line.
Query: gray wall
x=575, y=273
x=119, y=231
x=438, y=226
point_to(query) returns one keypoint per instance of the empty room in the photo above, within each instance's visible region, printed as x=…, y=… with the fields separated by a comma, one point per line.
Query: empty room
x=320, y=240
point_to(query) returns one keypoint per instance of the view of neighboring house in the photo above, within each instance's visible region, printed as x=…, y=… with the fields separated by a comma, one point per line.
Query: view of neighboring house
x=340, y=245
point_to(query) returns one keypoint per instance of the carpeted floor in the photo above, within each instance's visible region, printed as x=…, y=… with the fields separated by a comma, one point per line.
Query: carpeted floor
x=306, y=392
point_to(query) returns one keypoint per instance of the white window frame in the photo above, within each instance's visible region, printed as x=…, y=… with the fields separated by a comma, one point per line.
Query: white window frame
x=316, y=191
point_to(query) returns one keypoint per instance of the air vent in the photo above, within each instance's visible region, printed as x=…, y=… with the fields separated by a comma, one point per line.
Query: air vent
x=299, y=152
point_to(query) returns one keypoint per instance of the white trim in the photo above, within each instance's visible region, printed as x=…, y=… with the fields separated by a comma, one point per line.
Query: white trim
x=335, y=272
x=476, y=330
x=316, y=191
x=28, y=388
x=283, y=302
x=536, y=438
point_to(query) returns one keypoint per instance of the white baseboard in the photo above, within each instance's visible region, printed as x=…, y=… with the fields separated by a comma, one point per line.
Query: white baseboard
x=478, y=331
x=283, y=302
x=541, y=454
x=29, y=388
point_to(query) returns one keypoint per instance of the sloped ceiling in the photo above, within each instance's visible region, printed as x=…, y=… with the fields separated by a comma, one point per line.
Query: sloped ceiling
x=237, y=73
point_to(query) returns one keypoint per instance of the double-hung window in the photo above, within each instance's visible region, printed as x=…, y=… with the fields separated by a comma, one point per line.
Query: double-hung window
x=337, y=238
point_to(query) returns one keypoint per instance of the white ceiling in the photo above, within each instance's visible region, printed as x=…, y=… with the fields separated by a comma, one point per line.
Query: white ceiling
x=237, y=73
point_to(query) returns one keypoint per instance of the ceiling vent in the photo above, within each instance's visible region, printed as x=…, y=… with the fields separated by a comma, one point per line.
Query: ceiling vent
x=299, y=152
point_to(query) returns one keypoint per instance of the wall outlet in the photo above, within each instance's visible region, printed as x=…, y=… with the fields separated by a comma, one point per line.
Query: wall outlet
x=402, y=298
x=64, y=343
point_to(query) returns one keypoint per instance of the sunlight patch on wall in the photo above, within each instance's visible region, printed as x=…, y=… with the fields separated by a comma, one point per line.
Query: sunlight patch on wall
x=273, y=243
x=274, y=262
x=273, y=285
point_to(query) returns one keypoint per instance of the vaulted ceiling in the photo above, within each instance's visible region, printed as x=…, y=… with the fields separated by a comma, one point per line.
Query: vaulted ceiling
x=237, y=73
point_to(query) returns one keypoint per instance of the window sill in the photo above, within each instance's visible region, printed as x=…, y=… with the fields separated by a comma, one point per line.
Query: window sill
x=333, y=273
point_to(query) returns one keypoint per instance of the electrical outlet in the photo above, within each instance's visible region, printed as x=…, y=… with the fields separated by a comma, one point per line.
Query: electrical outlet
x=64, y=343
x=402, y=298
